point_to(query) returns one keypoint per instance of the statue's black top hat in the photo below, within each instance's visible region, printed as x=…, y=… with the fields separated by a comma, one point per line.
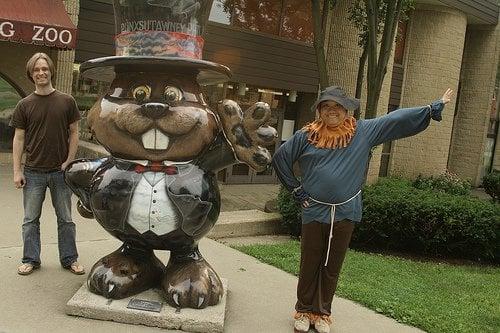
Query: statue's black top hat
x=158, y=36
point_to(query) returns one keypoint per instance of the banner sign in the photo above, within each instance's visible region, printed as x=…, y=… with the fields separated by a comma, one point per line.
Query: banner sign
x=33, y=33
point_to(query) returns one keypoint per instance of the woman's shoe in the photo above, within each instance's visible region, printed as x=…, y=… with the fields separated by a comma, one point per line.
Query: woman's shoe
x=302, y=322
x=322, y=323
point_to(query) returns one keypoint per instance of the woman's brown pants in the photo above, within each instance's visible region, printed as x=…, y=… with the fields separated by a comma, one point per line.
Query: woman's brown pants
x=317, y=282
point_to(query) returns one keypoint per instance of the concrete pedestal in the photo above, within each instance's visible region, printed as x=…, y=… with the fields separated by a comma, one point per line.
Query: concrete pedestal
x=89, y=305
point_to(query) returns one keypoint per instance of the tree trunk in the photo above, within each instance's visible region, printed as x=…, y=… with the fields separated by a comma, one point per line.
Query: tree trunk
x=319, y=25
x=322, y=70
x=372, y=13
x=360, y=78
x=377, y=63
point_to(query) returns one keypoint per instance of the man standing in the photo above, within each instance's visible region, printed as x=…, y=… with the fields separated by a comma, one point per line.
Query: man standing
x=46, y=127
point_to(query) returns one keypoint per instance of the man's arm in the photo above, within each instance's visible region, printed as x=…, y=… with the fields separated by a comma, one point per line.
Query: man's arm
x=73, y=144
x=17, y=153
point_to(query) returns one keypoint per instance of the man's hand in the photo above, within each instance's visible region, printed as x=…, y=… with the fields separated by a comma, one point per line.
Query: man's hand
x=447, y=96
x=19, y=180
x=64, y=165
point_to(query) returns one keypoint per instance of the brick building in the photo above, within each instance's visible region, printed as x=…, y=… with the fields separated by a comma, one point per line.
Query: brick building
x=445, y=43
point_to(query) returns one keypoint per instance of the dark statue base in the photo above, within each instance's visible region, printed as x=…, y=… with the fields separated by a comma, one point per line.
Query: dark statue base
x=89, y=305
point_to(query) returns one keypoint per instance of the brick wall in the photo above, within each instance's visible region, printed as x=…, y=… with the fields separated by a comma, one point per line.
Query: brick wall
x=435, y=43
x=478, y=76
x=65, y=58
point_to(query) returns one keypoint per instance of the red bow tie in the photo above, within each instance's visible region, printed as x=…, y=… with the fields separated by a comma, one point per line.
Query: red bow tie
x=156, y=167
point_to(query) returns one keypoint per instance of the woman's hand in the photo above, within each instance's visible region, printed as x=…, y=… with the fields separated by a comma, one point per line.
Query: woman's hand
x=301, y=196
x=447, y=96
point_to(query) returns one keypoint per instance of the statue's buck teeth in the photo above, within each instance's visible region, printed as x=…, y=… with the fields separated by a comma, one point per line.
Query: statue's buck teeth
x=154, y=139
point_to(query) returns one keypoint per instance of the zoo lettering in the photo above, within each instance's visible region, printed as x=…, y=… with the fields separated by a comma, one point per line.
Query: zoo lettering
x=39, y=33
x=189, y=28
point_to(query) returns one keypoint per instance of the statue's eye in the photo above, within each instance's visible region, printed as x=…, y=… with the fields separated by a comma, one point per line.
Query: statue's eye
x=172, y=94
x=142, y=93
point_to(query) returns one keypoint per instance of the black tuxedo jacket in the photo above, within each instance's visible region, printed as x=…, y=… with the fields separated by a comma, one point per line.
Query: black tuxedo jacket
x=105, y=188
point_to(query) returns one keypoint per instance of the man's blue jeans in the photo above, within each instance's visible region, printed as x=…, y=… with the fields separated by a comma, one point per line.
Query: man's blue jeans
x=33, y=197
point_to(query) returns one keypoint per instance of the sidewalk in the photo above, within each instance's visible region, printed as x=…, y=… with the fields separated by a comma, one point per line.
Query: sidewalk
x=260, y=297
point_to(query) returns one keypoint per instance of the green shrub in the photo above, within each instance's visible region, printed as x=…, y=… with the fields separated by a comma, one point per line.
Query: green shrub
x=290, y=211
x=447, y=182
x=398, y=216
x=491, y=184
x=85, y=102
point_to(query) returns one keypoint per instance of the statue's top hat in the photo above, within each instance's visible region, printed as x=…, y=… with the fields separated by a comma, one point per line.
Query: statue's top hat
x=158, y=36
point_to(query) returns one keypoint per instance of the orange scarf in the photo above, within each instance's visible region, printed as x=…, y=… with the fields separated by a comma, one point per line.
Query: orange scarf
x=323, y=136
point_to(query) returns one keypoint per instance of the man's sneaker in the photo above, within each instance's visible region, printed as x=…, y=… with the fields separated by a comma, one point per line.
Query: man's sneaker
x=302, y=321
x=322, y=324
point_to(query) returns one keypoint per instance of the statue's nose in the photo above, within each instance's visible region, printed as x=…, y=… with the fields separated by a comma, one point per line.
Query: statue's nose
x=154, y=110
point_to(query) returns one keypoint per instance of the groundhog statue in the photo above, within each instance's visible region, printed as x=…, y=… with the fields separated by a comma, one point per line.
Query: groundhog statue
x=158, y=189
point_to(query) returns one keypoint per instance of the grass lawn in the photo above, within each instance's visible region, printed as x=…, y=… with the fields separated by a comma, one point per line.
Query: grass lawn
x=435, y=297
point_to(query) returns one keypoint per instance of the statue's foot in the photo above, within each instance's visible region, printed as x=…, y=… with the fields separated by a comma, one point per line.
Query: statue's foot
x=190, y=282
x=125, y=272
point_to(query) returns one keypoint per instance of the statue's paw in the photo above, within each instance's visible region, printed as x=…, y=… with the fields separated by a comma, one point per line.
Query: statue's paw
x=248, y=131
x=192, y=284
x=119, y=275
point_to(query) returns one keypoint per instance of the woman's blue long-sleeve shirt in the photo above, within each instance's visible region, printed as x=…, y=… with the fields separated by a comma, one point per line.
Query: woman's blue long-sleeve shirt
x=336, y=175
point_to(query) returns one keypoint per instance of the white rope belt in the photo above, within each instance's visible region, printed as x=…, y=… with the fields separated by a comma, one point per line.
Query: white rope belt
x=332, y=218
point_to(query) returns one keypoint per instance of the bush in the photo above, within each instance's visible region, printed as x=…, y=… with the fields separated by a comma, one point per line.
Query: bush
x=398, y=216
x=447, y=182
x=491, y=184
x=290, y=211
x=85, y=103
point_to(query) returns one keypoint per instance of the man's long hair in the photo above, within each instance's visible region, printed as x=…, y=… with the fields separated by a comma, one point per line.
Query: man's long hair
x=30, y=65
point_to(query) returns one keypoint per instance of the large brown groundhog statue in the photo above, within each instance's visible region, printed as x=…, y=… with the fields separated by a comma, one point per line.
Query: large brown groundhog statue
x=158, y=189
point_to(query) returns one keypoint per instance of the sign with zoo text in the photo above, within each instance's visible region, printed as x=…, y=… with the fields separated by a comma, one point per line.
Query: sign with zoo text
x=40, y=34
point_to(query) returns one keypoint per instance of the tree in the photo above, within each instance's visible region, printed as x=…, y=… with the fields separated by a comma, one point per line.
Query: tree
x=320, y=11
x=375, y=17
x=372, y=18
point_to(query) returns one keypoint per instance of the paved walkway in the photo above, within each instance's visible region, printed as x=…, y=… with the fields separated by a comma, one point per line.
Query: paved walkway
x=260, y=297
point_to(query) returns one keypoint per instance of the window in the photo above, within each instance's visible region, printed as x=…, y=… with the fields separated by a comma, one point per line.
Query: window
x=297, y=21
x=255, y=15
x=286, y=18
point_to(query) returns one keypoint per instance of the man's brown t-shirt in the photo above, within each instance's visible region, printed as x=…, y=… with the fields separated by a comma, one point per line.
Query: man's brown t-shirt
x=46, y=120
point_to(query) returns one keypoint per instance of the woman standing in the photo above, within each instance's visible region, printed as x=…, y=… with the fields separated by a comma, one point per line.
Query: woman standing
x=333, y=153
